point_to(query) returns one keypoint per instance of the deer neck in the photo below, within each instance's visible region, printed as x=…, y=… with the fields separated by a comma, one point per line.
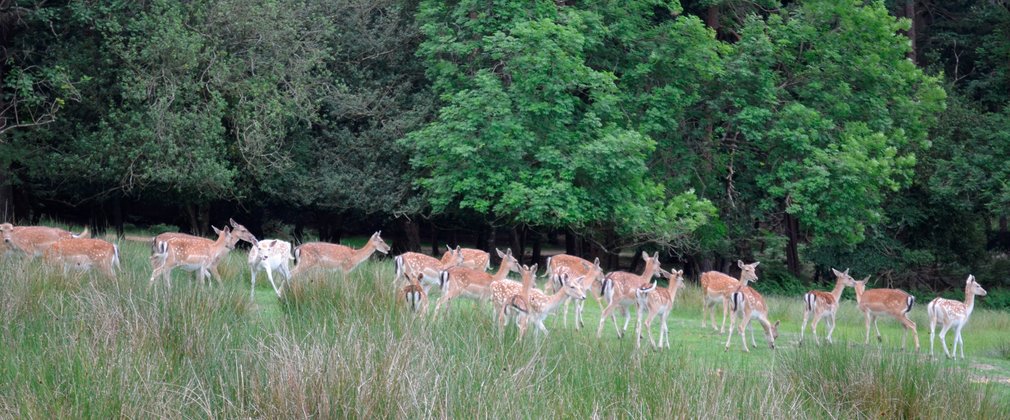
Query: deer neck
x=553, y=301
x=503, y=271
x=859, y=294
x=650, y=268
x=969, y=299
x=220, y=247
x=837, y=291
x=360, y=255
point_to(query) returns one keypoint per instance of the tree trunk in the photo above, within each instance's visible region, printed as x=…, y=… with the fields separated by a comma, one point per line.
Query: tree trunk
x=516, y=244
x=117, y=215
x=434, y=239
x=792, y=256
x=6, y=195
x=412, y=235
x=481, y=242
x=712, y=18
x=489, y=243
x=911, y=15
x=194, y=224
x=536, y=248
x=570, y=243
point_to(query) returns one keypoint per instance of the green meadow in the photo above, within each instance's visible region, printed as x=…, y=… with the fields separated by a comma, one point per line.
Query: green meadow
x=80, y=345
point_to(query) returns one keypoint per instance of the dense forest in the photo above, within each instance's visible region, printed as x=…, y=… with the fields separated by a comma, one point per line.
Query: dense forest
x=804, y=134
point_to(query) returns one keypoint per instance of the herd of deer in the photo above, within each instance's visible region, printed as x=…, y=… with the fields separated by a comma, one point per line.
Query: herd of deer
x=464, y=273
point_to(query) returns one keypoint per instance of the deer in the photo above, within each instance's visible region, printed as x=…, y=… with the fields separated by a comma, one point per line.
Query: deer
x=199, y=255
x=893, y=302
x=32, y=241
x=329, y=256
x=161, y=243
x=952, y=314
x=270, y=255
x=476, y=259
x=411, y=263
x=532, y=305
x=414, y=294
x=658, y=301
x=823, y=304
x=467, y=282
x=561, y=264
x=747, y=304
x=83, y=254
x=716, y=287
x=619, y=289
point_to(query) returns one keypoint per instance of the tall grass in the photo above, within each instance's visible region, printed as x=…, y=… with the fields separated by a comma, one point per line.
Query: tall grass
x=342, y=345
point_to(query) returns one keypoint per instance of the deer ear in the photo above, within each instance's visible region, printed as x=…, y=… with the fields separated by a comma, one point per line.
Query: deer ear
x=836, y=272
x=971, y=279
x=655, y=255
x=645, y=255
x=500, y=254
x=756, y=264
x=597, y=261
x=777, y=323
x=740, y=263
x=216, y=230
x=534, y=268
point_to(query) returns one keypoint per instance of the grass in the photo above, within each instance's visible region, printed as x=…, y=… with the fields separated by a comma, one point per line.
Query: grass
x=336, y=346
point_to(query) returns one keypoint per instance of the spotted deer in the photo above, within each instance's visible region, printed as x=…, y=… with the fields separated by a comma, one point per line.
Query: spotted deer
x=327, y=256
x=747, y=304
x=823, y=304
x=561, y=264
x=270, y=255
x=716, y=287
x=414, y=295
x=164, y=241
x=83, y=254
x=32, y=241
x=952, y=313
x=199, y=255
x=532, y=305
x=891, y=302
x=658, y=301
x=476, y=259
x=619, y=290
x=409, y=264
x=474, y=284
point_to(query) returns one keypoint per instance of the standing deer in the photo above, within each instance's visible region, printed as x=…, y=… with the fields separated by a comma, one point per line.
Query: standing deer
x=410, y=264
x=747, y=304
x=414, y=294
x=476, y=259
x=952, y=313
x=329, y=256
x=561, y=264
x=656, y=300
x=270, y=255
x=619, y=290
x=83, y=253
x=162, y=243
x=473, y=284
x=821, y=304
x=33, y=241
x=529, y=304
x=892, y=302
x=200, y=255
x=716, y=287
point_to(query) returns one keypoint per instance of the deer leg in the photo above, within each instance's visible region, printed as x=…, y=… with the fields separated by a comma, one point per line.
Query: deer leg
x=638, y=332
x=252, y=279
x=627, y=318
x=704, y=308
x=957, y=339
x=943, y=338
x=648, y=326
x=579, y=321
x=813, y=328
x=732, y=322
x=665, y=331
x=831, y=326
x=932, y=333
x=603, y=319
x=541, y=327
x=877, y=329
x=743, y=333
x=909, y=325
x=270, y=276
x=725, y=311
x=217, y=276
x=751, y=325
x=523, y=322
x=803, y=327
x=867, y=316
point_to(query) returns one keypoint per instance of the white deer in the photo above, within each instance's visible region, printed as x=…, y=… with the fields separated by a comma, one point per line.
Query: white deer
x=952, y=313
x=270, y=255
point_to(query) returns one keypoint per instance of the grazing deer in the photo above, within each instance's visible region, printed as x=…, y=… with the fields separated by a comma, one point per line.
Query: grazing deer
x=474, y=284
x=747, y=304
x=952, y=313
x=33, y=241
x=162, y=243
x=716, y=287
x=619, y=289
x=414, y=294
x=893, y=302
x=561, y=264
x=822, y=304
x=83, y=253
x=658, y=301
x=532, y=305
x=329, y=256
x=270, y=255
x=199, y=255
x=476, y=259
